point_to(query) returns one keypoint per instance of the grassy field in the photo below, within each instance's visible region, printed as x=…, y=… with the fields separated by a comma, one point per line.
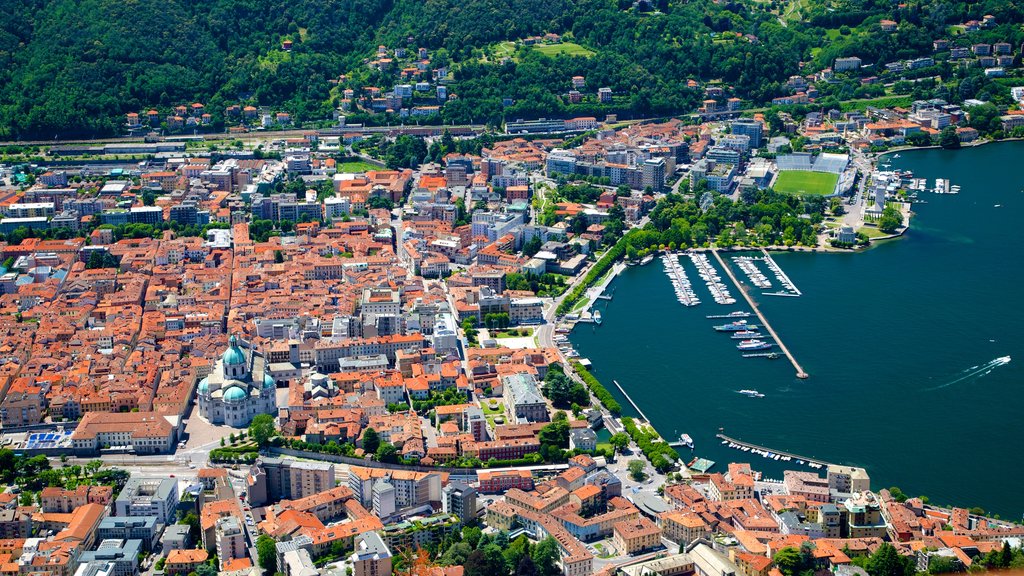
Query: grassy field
x=356, y=166
x=806, y=182
x=883, y=102
x=567, y=48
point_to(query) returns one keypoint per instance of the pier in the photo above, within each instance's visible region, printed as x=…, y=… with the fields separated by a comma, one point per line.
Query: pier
x=774, y=267
x=753, y=306
x=814, y=462
x=630, y=400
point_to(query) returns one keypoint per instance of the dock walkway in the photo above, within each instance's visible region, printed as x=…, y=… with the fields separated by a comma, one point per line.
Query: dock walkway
x=753, y=306
x=772, y=450
x=635, y=407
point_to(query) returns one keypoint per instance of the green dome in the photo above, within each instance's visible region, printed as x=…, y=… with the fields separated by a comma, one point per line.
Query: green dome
x=204, y=385
x=233, y=356
x=234, y=394
x=268, y=381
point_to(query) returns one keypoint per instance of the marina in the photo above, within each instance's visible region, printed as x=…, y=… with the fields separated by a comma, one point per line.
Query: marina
x=680, y=283
x=753, y=306
x=789, y=288
x=757, y=278
x=771, y=453
x=649, y=342
x=707, y=272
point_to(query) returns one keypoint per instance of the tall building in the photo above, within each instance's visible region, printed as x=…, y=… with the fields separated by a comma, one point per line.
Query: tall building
x=749, y=127
x=652, y=174
x=238, y=389
x=371, y=556
x=274, y=479
x=459, y=499
x=230, y=539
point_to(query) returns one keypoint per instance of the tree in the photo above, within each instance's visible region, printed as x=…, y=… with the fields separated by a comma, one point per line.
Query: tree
x=545, y=556
x=267, y=553
x=948, y=139
x=532, y=246
x=527, y=567
x=387, y=452
x=206, y=570
x=278, y=256
x=486, y=561
x=619, y=441
x=886, y=561
x=636, y=469
x=788, y=561
x=456, y=554
x=891, y=220
x=262, y=429
x=371, y=441
x=192, y=521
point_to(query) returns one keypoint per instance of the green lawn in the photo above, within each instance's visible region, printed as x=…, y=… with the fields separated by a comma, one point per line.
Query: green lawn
x=872, y=231
x=567, y=48
x=806, y=182
x=356, y=166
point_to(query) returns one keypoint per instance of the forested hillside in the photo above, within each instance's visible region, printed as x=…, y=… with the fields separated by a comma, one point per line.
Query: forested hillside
x=74, y=67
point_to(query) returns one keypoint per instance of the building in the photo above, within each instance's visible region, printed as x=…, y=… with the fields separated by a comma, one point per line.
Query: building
x=847, y=480
x=807, y=484
x=749, y=127
x=500, y=481
x=230, y=539
x=652, y=174
x=238, y=389
x=719, y=176
x=523, y=399
x=459, y=500
x=122, y=554
x=145, y=529
x=412, y=489
x=274, y=479
x=631, y=537
x=583, y=439
x=141, y=432
x=148, y=497
x=843, y=64
x=371, y=556
x=184, y=561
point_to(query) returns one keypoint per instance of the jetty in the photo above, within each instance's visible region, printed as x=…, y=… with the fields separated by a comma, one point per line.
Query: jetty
x=727, y=316
x=753, y=306
x=777, y=270
x=630, y=400
x=812, y=462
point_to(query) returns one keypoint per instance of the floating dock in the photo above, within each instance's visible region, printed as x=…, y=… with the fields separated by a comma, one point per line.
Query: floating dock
x=772, y=355
x=812, y=462
x=753, y=306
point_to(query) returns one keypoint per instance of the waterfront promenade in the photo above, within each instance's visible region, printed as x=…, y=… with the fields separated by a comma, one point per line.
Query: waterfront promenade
x=753, y=306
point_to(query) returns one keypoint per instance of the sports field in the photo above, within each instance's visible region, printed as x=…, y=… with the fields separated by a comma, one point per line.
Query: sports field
x=806, y=182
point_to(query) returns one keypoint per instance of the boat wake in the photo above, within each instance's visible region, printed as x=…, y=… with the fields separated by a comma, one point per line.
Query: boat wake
x=974, y=372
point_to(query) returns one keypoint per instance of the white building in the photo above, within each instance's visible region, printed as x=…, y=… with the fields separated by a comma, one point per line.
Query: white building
x=238, y=389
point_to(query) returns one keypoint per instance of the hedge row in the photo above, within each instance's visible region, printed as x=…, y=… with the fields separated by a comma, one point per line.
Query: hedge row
x=596, y=272
x=653, y=446
x=597, y=389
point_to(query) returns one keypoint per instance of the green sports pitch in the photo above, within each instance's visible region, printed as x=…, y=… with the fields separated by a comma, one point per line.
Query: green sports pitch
x=806, y=182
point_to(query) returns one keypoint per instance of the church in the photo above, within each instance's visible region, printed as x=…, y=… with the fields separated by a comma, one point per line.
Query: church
x=238, y=389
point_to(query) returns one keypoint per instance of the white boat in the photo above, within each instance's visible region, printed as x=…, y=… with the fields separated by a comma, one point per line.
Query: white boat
x=751, y=393
x=597, y=316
